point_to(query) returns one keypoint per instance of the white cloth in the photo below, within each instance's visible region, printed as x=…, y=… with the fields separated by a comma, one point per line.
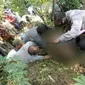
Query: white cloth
x=19, y=19
x=77, y=18
x=11, y=54
x=24, y=56
x=9, y=12
x=30, y=10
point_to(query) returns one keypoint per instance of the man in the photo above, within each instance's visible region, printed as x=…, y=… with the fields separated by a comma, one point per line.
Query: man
x=17, y=45
x=28, y=53
x=34, y=34
x=76, y=18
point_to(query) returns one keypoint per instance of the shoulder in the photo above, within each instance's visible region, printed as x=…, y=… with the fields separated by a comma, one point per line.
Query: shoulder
x=27, y=45
x=34, y=29
x=11, y=53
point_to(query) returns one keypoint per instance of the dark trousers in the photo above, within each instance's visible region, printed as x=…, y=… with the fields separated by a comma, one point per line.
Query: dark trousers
x=81, y=42
x=2, y=52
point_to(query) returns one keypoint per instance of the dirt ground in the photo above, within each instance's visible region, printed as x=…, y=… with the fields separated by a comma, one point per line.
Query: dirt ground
x=49, y=72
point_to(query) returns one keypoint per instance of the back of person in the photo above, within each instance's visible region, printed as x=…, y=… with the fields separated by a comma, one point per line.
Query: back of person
x=32, y=33
x=75, y=13
x=35, y=34
x=11, y=53
x=76, y=16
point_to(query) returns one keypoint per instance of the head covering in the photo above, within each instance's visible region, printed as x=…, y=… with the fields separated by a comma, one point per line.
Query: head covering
x=41, y=28
x=17, y=42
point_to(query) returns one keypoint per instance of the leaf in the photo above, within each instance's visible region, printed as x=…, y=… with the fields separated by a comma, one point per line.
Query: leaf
x=43, y=1
x=78, y=80
x=82, y=78
x=0, y=83
x=79, y=84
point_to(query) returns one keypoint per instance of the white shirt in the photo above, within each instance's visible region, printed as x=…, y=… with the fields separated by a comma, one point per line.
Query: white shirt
x=77, y=18
x=24, y=56
x=11, y=54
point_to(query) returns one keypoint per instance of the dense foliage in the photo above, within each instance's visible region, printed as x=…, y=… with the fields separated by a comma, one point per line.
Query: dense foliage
x=71, y=4
x=12, y=73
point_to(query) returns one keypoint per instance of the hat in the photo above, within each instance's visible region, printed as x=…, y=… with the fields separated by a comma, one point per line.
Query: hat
x=17, y=42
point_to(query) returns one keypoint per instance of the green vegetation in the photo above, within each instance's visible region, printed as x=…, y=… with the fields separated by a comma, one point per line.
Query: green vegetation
x=12, y=73
x=50, y=72
x=71, y=4
x=80, y=80
x=15, y=73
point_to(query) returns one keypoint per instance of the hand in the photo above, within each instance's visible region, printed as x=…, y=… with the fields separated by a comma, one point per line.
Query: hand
x=54, y=42
x=47, y=57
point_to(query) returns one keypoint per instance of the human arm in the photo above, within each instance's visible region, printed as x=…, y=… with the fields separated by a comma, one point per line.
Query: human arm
x=39, y=57
x=46, y=57
x=74, y=32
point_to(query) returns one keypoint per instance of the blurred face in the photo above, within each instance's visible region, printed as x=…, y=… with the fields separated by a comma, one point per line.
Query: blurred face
x=34, y=50
x=61, y=22
x=19, y=46
x=58, y=23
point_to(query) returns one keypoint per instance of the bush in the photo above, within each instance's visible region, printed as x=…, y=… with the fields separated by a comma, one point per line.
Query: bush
x=12, y=73
x=71, y=4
